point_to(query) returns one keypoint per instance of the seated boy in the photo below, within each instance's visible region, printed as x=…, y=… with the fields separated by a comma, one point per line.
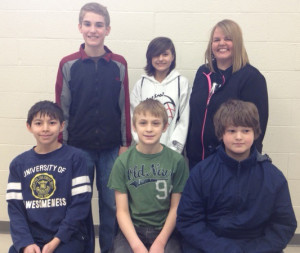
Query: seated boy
x=236, y=200
x=48, y=191
x=148, y=180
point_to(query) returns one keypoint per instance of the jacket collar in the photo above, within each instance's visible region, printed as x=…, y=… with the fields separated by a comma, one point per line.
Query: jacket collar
x=106, y=57
x=247, y=163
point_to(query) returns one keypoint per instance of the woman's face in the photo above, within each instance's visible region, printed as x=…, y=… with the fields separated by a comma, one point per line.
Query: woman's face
x=222, y=49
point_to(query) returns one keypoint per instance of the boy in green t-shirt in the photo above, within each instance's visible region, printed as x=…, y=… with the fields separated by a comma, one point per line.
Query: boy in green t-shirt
x=148, y=180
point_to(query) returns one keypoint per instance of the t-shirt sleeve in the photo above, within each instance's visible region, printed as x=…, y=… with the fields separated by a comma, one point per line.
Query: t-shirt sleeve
x=180, y=176
x=117, y=179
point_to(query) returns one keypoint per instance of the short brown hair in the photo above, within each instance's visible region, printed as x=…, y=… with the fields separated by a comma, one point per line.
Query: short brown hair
x=95, y=8
x=43, y=108
x=156, y=47
x=233, y=31
x=152, y=106
x=236, y=113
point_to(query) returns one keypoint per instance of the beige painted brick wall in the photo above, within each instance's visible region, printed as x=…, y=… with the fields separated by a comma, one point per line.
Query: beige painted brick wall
x=35, y=35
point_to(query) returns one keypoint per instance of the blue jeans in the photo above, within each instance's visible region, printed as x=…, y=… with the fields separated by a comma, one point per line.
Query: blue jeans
x=102, y=161
x=147, y=235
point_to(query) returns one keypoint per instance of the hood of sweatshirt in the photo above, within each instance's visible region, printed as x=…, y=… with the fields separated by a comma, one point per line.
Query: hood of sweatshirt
x=169, y=78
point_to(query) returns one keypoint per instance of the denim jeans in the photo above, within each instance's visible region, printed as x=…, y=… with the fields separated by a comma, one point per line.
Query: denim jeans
x=102, y=161
x=147, y=235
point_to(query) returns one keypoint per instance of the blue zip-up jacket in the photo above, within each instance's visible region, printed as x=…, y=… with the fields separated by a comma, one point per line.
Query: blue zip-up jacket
x=230, y=206
x=94, y=96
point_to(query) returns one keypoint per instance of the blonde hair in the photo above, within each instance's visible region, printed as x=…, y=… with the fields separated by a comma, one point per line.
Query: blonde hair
x=95, y=8
x=232, y=30
x=152, y=106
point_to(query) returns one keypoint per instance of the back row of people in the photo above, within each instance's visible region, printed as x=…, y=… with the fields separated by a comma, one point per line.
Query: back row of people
x=92, y=90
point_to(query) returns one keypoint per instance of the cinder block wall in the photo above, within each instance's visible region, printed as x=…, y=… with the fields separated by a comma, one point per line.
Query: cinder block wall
x=35, y=35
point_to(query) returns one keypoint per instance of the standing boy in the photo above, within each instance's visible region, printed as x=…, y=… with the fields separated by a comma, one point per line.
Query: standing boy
x=148, y=180
x=92, y=90
x=48, y=191
x=236, y=200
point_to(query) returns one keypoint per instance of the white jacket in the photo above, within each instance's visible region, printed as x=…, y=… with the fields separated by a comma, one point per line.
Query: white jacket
x=174, y=93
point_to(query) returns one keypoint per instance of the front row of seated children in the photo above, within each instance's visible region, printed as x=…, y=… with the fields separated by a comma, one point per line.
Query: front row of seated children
x=234, y=201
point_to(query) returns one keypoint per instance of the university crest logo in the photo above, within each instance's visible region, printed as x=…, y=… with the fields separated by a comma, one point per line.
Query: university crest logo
x=43, y=186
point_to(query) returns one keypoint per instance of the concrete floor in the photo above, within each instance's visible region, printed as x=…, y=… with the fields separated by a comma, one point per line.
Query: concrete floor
x=5, y=243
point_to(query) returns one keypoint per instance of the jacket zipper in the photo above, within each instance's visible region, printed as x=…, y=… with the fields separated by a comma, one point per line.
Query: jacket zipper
x=237, y=197
x=211, y=90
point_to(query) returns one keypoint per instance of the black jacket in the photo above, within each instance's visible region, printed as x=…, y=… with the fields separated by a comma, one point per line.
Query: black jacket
x=247, y=84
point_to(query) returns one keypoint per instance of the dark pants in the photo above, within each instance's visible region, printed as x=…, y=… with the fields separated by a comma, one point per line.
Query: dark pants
x=74, y=246
x=147, y=236
x=187, y=248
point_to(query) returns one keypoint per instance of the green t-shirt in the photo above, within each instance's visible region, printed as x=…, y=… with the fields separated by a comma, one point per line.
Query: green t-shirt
x=149, y=180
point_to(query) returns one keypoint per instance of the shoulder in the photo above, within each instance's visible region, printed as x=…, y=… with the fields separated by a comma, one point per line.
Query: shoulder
x=208, y=167
x=203, y=68
x=22, y=157
x=269, y=168
x=115, y=57
x=144, y=79
x=71, y=149
x=119, y=58
x=71, y=153
x=183, y=81
x=172, y=155
x=252, y=72
x=70, y=57
x=201, y=72
x=126, y=155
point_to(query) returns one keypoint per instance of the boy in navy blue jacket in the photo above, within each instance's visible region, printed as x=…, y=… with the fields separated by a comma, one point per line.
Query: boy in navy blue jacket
x=93, y=91
x=48, y=191
x=236, y=200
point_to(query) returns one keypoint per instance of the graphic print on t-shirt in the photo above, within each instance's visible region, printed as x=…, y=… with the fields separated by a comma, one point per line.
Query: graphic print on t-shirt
x=139, y=176
x=43, y=186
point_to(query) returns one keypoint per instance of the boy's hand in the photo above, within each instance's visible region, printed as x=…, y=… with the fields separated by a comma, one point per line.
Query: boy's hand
x=32, y=248
x=140, y=249
x=122, y=149
x=157, y=247
x=51, y=246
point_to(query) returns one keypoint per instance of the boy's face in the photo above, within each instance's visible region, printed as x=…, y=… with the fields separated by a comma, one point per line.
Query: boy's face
x=45, y=130
x=149, y=129
x=93, y=29
x=238, y=141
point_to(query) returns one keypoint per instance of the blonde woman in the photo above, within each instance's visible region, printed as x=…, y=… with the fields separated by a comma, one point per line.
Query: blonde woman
x=226, y=74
